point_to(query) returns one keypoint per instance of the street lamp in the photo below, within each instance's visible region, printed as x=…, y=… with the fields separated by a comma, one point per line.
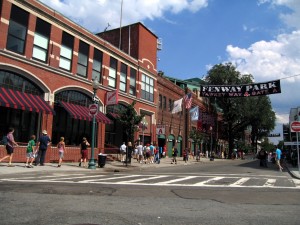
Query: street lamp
x=144, y=125
x=211, y=140
x=92, y=164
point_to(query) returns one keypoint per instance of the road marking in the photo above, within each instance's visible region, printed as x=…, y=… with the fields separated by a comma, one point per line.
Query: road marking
x=270, y=183
x=176, y=180
x=142, y=179
x=108, y=178
x=203, y=183
x=240, y=182
x=137, y=179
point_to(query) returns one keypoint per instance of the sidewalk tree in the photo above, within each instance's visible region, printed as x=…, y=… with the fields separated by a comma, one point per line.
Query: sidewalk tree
x=129, y=119
x=239, y=113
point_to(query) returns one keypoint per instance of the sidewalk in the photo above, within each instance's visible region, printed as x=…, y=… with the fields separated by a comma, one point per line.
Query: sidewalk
x=111, y=166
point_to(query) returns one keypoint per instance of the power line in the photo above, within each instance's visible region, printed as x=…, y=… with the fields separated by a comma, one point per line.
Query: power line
x=289, y=76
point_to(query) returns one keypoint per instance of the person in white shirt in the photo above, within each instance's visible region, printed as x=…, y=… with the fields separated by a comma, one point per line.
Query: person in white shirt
x=123, y=152
x=140, y=153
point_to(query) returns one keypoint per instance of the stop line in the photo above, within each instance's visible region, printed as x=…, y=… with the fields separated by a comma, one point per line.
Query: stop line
x=228, y=181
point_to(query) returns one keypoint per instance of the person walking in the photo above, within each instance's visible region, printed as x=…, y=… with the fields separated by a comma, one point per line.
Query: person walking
x=175, y=153
x=123, y=152
x=129, y=152
x=29, y=152
x=140, y=153
x=278, y=158
x=84, y=151
x=61, y=150
x=42, y=146
x=11, y=144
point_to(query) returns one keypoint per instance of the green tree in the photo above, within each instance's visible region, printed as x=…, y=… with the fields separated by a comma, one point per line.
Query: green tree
x=239, y=113
x=130, y=120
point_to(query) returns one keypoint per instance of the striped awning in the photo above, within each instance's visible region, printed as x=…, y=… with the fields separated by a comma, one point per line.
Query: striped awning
x=82, y=113
x=24, y=101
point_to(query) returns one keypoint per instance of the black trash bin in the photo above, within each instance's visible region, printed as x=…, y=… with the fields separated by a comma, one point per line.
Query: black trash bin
x=101, y=160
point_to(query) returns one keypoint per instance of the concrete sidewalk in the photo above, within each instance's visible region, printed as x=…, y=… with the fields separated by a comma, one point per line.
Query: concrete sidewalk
x=113, y=166
x=110, y=166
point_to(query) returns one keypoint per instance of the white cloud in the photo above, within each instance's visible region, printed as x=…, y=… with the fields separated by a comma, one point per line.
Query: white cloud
x=275, y=59
x=94, y=15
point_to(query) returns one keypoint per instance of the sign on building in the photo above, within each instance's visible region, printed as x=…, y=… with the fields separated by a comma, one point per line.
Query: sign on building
x=160, y=129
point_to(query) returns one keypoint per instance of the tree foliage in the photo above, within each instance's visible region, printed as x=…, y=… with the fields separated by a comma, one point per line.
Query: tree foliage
x=130, y=120
x=240, y=112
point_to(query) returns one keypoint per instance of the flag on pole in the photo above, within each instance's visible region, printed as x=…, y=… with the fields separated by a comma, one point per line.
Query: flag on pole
x=177, y=106
x=188, y=100
x=194, y=112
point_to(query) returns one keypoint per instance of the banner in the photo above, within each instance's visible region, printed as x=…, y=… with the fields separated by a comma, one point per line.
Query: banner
x=177, y=106
x=112, y=98
x=160, y=129
x=194, y=112
x=243, y=90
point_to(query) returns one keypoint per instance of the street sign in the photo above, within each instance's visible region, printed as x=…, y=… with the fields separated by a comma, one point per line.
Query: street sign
x=295, y=126
x=290, y=143
x=93, y=109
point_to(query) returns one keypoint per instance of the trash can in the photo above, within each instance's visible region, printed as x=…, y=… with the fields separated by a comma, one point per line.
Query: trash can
x=101, y=160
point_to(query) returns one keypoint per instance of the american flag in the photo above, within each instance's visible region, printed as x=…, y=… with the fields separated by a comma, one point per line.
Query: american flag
x=188, y=100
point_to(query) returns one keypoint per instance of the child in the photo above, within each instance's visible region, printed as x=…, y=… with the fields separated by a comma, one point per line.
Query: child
x=61, y=150
x=29, y=152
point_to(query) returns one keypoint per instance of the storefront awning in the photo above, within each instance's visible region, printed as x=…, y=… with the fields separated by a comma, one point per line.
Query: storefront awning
x=20, y=100
x=82, y=113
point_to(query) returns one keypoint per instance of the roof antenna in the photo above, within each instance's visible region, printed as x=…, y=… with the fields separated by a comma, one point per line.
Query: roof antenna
x=108, y=25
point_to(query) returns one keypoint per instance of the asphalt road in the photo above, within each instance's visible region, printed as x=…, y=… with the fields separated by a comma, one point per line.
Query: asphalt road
x=229, y=192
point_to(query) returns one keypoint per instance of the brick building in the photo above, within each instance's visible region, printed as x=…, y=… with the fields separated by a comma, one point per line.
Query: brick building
x=47, y=64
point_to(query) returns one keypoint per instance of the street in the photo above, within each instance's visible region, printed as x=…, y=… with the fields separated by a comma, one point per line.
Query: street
x=219, y=192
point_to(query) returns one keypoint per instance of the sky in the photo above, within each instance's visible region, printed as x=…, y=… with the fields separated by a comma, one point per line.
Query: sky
x=260, y=37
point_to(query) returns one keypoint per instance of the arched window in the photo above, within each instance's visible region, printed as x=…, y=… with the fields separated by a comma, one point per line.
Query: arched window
x=64, y=125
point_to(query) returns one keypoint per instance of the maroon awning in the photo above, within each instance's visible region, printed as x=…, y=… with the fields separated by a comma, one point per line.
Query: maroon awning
x=82, y=113
x=20, y=100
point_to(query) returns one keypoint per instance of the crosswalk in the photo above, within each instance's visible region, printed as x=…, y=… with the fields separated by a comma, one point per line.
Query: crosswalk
x=237, y=181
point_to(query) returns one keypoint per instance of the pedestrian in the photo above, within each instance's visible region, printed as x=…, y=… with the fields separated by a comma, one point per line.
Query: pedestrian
x=186, y=155
x=262, y=155
x=174, y=154
x=164, y=151
x=61, y=146
x=29, y=152
x=10, y=145
x=123, y=152
x=42, y=146
x=152, y=148
x=84, y=151
x=129, y=151
x=278, y=158
x=140, y=153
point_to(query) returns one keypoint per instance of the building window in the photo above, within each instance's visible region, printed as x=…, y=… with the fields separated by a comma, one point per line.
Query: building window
x=147, y=88
x=97, y=65
x=132, y=86
x=164, y=103
x=123, y=77
x=66, y=50
x=41, y=40
x=171, y=102
x=160, y=101
x=17, y=30
x=112, y=72
x=83, y=56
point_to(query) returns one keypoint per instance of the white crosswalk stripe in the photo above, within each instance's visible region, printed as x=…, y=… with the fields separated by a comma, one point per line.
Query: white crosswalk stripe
x=166, y=180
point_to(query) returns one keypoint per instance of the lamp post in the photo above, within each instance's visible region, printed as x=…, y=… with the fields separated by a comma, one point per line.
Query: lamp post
x=211, y=140
x=144, y=124
x=92, y=164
